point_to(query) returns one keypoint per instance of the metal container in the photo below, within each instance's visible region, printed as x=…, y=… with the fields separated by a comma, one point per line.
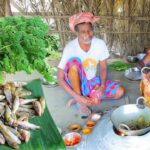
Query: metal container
x=131, y=112
x=133, y=74
x=141, y=56
x=132, y=59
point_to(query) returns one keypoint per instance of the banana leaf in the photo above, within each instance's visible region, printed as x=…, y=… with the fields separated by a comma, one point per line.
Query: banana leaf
x=45, y=138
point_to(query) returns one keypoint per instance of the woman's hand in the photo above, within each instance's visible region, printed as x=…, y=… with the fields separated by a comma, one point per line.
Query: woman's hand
x=99, y=90
x=84, y=101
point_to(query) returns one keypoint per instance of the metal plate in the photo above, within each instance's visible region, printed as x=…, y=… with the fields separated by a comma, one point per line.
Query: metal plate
x=133, y=74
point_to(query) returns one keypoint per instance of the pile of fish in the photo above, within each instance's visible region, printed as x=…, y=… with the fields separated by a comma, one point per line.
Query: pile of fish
x=15, y=111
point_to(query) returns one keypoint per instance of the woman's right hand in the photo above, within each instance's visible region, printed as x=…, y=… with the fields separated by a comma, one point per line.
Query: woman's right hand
x=84, y=101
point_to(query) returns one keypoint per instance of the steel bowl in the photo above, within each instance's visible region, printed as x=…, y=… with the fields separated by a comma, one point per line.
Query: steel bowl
x=132, y=59
x=140, y=56
x=133, y=74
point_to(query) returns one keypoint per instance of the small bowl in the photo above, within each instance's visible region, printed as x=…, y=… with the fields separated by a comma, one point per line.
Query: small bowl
x=74, y=127
x=72, y=139
x=86, y=131
x=90, y=124
x=95, y=117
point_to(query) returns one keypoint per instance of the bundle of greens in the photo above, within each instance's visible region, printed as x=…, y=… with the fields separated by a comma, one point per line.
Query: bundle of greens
x=23, y=43
x=118, y=65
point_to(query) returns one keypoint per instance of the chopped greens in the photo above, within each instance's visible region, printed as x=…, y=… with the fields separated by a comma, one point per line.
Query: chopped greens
x=119, y=66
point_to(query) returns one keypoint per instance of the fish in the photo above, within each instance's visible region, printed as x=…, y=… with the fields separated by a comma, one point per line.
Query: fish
x=28, y=110
x=8, y=115
x=15, y=111
x=12, y=143
x=26, y=125
x=20, y=83
x=37, y=108
x=2, y=97
x=2, y=139
x=2, y=103
x=19, y=89
x=24, y=93
x=25, y=134
x=1, y=92
x=28, y=114
x=2, y=111
x=27, y=106
x=16, y=104
x=14, y=131
x=8, y=134
x=24, y=117
x=8, y=95
x=2, y=107
x=26, y=101
x=43, y=104
x=12, y=87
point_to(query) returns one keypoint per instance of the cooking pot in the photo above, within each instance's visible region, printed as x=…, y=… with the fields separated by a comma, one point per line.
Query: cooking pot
x=121, y=116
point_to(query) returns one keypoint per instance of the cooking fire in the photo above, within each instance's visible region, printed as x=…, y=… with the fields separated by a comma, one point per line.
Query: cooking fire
x=118, y=132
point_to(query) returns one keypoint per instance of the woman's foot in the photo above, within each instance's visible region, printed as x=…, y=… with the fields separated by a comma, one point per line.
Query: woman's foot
x=70, y=103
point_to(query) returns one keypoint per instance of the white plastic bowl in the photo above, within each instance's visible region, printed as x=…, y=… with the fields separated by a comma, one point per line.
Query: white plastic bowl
x=95, y=117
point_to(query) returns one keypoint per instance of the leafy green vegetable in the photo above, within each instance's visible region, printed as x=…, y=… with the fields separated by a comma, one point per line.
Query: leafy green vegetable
x=23, y=45
x=118, y=65
x=52, y=49
x=139, y=123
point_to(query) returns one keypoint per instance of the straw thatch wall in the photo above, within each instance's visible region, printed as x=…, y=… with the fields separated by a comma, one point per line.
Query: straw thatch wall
x=124, y=24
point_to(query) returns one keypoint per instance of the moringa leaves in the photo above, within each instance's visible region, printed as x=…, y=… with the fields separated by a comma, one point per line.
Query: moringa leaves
x=23, y=43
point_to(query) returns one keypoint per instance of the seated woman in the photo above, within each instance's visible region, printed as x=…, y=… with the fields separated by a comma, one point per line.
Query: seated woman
x=77, y=68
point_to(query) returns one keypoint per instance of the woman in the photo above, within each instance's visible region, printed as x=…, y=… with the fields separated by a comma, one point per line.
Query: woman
x=77, y=68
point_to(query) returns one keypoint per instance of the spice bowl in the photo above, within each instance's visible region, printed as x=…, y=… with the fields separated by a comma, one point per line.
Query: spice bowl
x=74, y=127
x=72, y=139
x=95, y=117
x=86, y=131
x=90, y=124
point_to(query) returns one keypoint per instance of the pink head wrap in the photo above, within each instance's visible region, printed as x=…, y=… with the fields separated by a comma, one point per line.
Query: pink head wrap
x=80, y=18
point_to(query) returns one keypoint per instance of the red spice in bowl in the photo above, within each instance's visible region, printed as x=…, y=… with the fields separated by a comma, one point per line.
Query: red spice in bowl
x=90, y=124
x=72, y=139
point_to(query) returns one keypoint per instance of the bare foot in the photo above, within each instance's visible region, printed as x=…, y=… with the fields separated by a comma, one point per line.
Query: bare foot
x=70, y=102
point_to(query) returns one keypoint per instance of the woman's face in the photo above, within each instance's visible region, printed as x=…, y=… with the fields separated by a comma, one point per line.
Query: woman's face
x=85, y=33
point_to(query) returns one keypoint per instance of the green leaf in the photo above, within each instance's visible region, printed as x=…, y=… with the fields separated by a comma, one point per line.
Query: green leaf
x=23, y=43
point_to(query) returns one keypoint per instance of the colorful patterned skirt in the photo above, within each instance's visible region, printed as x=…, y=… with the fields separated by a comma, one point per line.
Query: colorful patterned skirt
x=88, y=85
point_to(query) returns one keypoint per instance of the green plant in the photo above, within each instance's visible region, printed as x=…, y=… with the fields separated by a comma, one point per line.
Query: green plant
x=119, y=66
x=23, y=43
x=53, y=47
